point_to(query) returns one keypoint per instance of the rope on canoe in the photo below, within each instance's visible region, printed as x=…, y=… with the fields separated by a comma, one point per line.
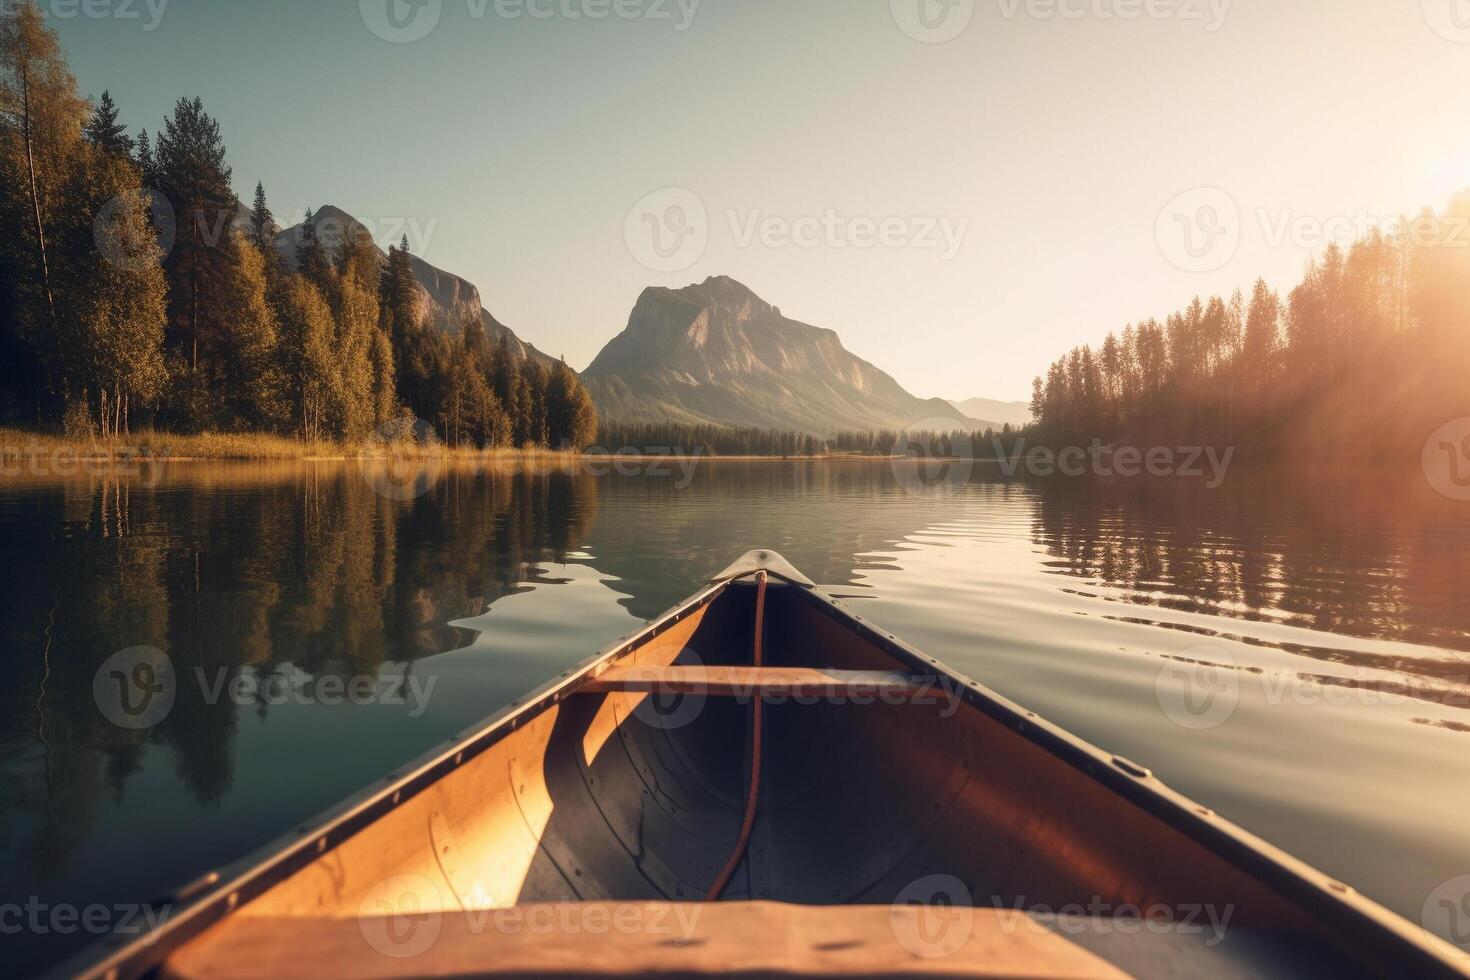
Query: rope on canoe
x=748, y=824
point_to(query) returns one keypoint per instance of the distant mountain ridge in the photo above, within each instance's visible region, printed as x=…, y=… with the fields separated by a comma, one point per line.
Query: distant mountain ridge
x=715, y=352
x=999, y=413
x=446, y=301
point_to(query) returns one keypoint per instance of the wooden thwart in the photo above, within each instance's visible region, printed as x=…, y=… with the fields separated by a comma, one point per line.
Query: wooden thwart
x=767, y=682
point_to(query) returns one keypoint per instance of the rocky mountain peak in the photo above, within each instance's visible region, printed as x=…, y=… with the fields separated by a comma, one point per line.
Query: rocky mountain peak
x=717, y=352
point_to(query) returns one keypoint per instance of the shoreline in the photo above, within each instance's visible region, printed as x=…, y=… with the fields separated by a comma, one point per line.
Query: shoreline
x=19, y=445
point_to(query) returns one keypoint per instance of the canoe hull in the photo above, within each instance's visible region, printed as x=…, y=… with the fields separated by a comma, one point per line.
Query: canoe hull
x=586, y=796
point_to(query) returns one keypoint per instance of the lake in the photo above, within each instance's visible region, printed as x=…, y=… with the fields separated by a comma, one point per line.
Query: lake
x=1292, y=651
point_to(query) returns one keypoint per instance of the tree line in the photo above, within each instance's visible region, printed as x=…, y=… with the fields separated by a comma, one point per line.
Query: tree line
x=1366, y=356
x=716, y=440
x=134, y=288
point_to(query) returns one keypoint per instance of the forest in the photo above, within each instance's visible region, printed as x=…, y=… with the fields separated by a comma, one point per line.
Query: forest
x=136, y=291
x=1365, y=357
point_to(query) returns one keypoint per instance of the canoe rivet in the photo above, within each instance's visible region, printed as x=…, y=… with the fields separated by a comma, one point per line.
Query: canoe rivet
x=397, y=797
x=1205, y=811
x=232, y=901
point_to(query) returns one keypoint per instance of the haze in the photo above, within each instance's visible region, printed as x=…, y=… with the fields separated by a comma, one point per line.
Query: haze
x=511, y=148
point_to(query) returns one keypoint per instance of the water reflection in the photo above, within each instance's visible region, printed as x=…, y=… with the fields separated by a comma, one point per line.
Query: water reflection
x=1365, y=554
x=1063, y=594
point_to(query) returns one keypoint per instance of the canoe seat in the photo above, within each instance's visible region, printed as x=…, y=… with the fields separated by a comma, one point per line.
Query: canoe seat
x=767, y=682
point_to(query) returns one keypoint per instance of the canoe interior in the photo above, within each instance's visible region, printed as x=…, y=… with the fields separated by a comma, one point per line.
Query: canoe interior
x=606, y=798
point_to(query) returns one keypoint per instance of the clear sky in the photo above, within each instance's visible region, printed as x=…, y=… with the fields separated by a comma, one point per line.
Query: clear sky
x=830, y=145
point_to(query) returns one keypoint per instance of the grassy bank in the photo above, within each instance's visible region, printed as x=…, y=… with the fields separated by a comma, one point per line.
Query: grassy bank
x=22, y=444
x=150, y=445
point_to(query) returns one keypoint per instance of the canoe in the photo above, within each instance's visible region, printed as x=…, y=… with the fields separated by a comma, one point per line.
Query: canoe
x=761, y=783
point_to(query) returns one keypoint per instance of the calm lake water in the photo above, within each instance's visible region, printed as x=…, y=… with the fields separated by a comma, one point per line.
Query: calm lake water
x=1293, y=652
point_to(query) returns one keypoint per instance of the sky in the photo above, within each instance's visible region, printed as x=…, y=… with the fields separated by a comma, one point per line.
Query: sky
x=963, y=189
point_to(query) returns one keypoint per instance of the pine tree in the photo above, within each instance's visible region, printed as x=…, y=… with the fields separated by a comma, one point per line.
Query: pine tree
x=1262, y=336
x=311, y=257
x=143, y=158
x=193, y=176
x=572, y=418
x=106, y=133
x=532, y=430
x=398, y=296
x=263, y=227
x=510, y=391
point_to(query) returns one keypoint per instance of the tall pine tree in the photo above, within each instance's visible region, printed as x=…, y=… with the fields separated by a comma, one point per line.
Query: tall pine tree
x=106, y=133
x=193, y=176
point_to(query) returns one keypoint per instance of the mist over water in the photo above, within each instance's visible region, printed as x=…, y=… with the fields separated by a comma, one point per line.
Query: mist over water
x=1327, y=618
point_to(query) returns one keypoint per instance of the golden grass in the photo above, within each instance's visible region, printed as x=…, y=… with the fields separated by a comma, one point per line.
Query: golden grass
x=21, y=444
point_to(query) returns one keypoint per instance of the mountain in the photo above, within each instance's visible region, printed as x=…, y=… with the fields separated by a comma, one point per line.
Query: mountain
x=717, y=353
x=1000, y=413
x=446, y=301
